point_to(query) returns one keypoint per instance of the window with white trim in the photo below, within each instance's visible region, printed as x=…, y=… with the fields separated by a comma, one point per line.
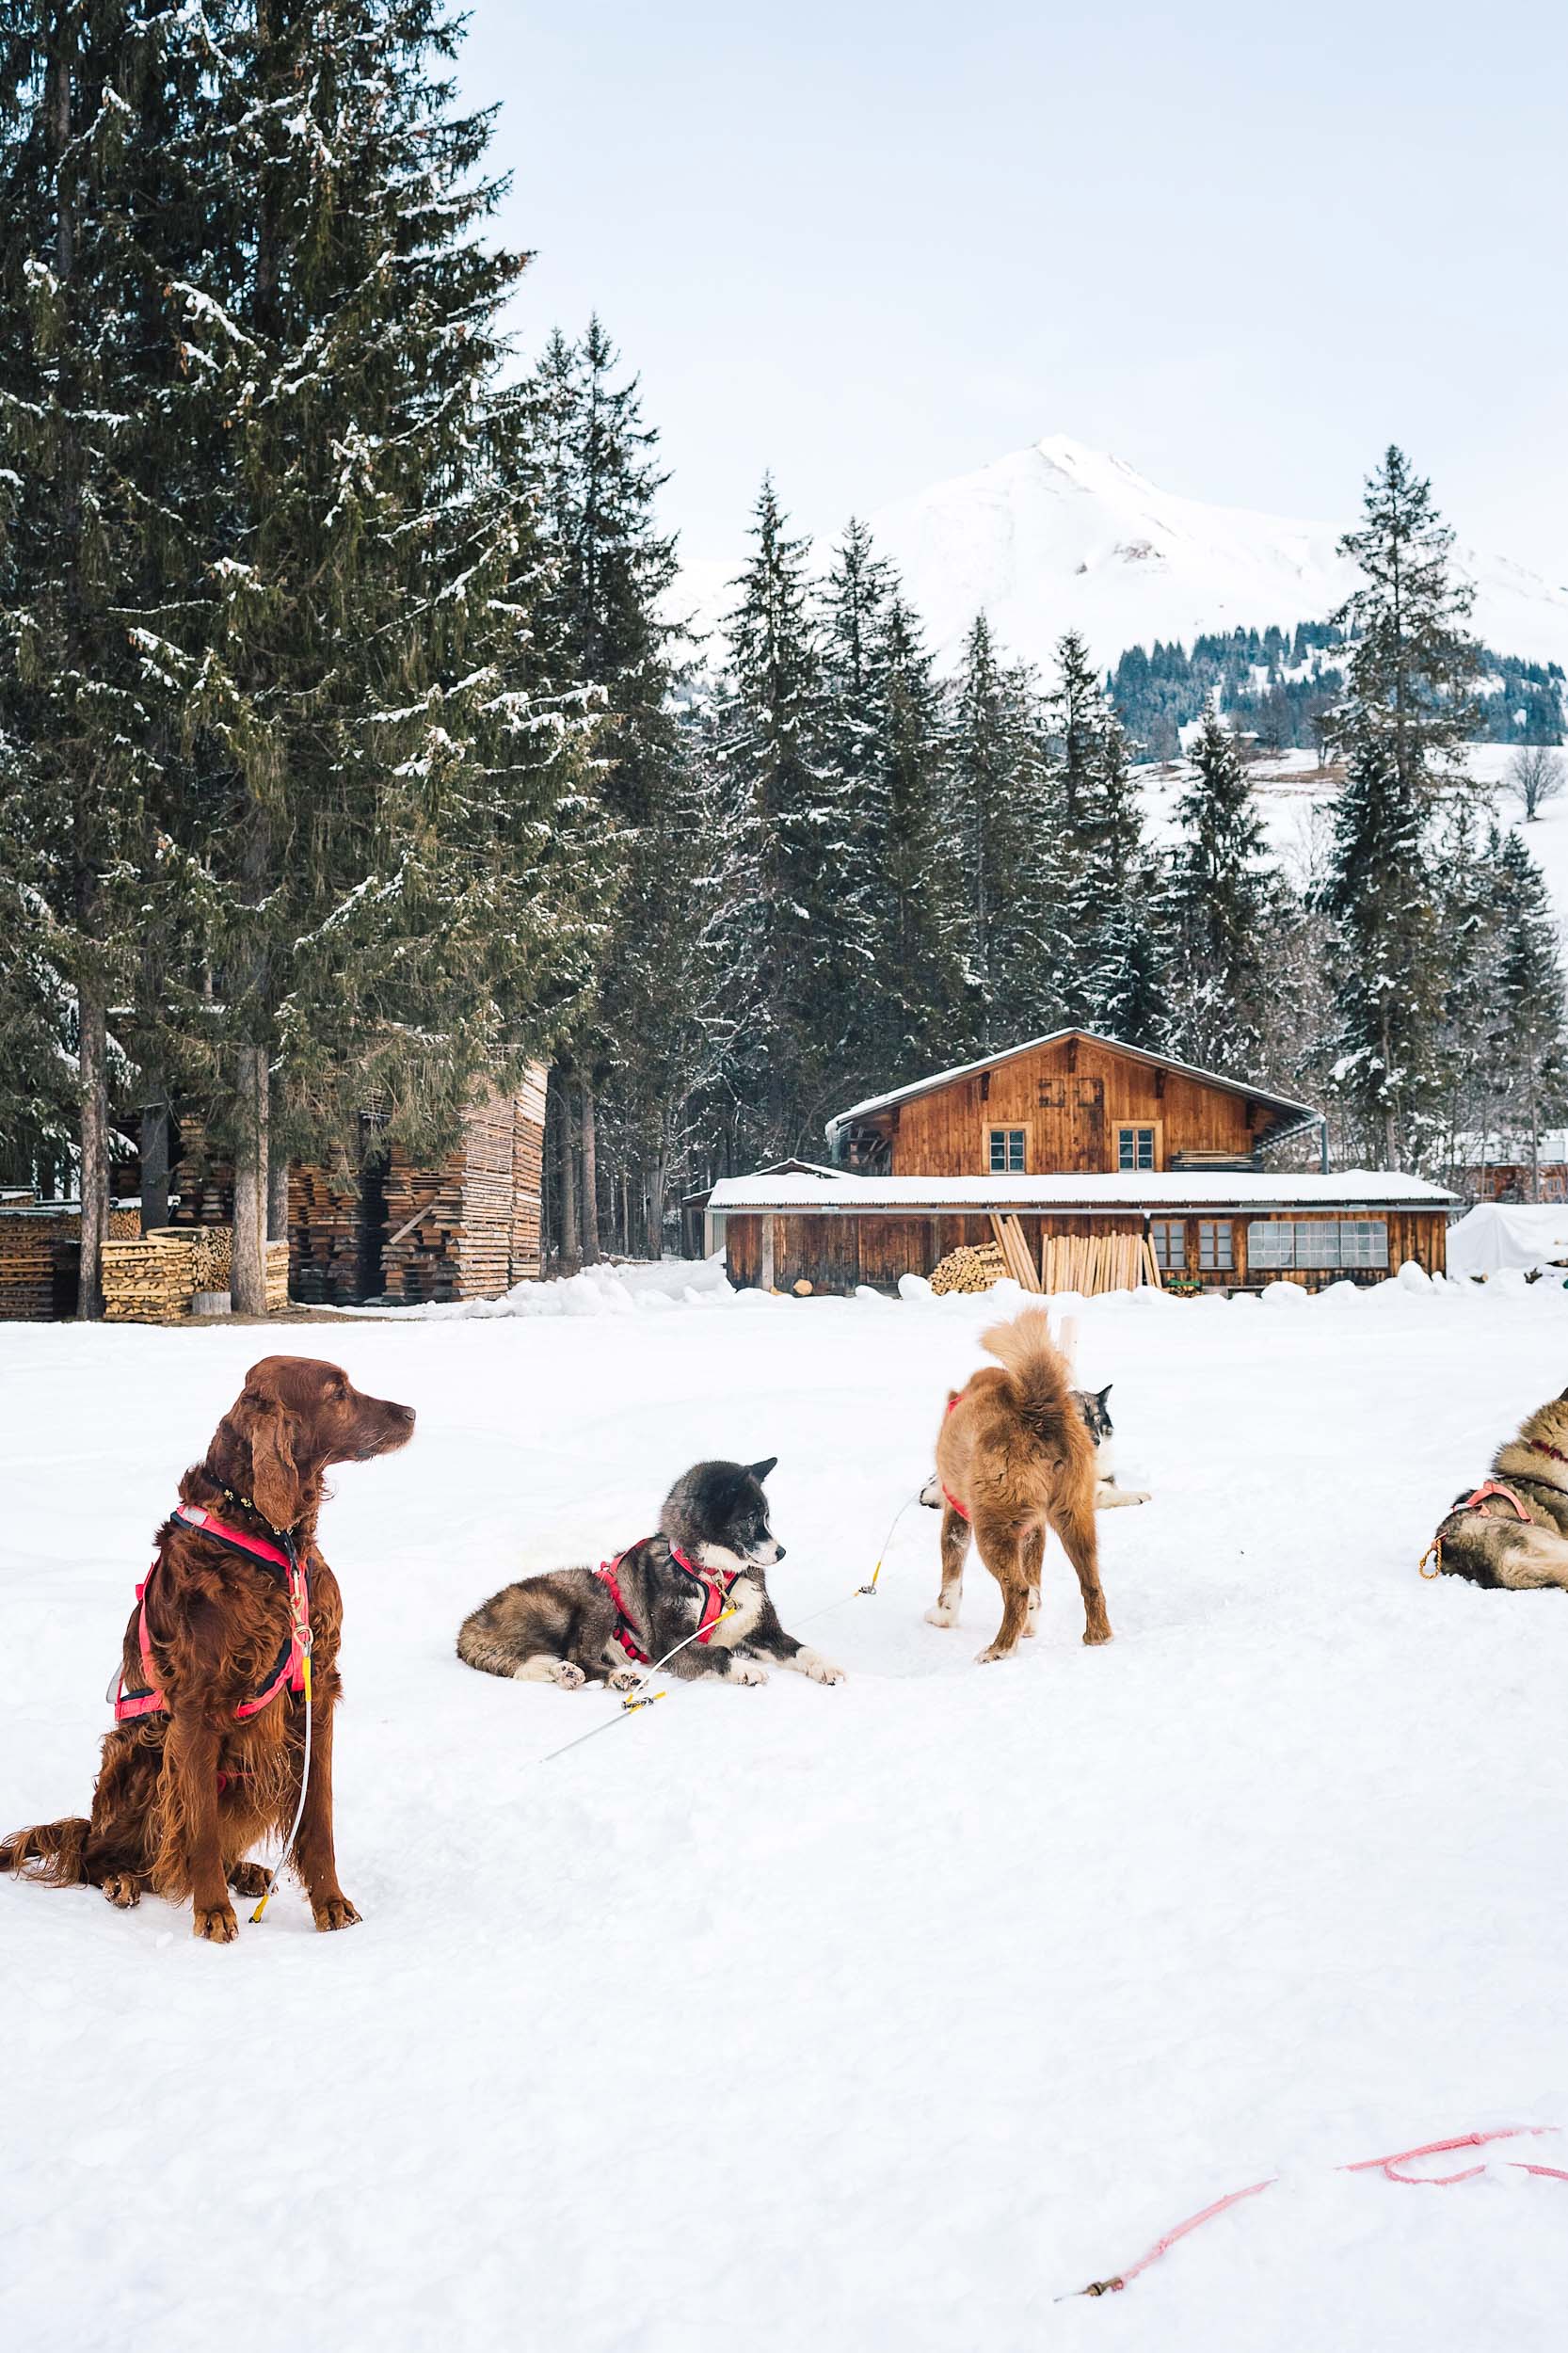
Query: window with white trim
x=1216, y=1248
x=1315, y=1245
x=1169, y=1237
x=1009, y=1151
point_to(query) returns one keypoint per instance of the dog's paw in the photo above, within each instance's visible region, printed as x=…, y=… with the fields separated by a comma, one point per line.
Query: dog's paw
x=940, y=1614
x=930, y=1493
x=821, y=1670
x=124, y=1889
x=335, y=1913
x=249, y=1878
x=1093, y=1634
x=993, y=1651
x=570, y=1679
x=623, y=1678
x=216, y=1923
x=747, y=1671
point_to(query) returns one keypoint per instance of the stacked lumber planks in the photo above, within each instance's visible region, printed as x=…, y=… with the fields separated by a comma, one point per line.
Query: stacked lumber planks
x=34, y=1239
x=1098, y=1262
x=471, y=1228
x=323, y=1231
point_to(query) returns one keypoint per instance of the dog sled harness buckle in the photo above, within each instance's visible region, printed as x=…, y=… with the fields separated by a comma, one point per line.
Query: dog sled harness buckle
x=715, y=1585
x=293, y=1664
x=1471, y=1503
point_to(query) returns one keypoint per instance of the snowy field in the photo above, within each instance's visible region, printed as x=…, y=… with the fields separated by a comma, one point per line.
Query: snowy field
x=879, y=2016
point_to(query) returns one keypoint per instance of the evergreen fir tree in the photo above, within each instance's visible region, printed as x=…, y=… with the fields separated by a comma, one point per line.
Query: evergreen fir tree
x=400, y=858
x=1529, y=999
x=1220, y=904
x=855, y=724
x=1118, y=982
x=923, y=1015
x=785, y=1011
x=1003, y=829
x=1400, y=730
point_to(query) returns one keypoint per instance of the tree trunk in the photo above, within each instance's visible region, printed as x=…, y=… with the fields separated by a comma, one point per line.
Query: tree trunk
x=93, y=1062
x=590, y=1181
x=154, y=1165
x=570, y=1242
x=278, y=1195
x=248, y=1280
x=656, y=1208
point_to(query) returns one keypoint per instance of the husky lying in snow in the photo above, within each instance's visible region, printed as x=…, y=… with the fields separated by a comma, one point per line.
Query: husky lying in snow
x=1513, y=1530
x=701, y=1575
x=1096, y=1420
x=1012, y=1459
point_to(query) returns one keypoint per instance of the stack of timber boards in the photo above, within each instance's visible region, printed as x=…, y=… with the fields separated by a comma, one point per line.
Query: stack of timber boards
x=32, y=1239
x=1015, y=1250
x=527, y=1240
x=453, y=1232
x=324, y=1228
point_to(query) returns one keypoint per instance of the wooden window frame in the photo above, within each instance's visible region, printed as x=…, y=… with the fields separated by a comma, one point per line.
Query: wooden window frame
x=1176, y=1225
x=1215, y=1226
x=1132, y=1127
x=1007, y=1127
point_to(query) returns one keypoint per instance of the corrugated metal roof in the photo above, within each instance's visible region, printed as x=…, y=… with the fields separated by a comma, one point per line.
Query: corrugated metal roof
x=1289, y=1188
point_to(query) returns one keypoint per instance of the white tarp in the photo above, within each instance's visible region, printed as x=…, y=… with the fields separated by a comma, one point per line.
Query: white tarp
x=1498, y=1234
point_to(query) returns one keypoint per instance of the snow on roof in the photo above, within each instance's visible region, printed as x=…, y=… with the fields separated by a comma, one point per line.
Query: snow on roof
x=1055, y=1037
x=1286, y=1188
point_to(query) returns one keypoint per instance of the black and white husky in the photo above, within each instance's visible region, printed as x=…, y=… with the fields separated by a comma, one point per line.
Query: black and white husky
x=703, y=1574
x=1096, y=1420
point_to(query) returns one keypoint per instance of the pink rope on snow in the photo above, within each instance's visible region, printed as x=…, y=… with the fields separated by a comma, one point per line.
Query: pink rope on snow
x=1362, y=2164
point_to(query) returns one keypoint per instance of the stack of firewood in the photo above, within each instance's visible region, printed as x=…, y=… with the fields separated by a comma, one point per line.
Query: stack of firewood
x=277, y=1276
x=26, y=1270
x=148, y=1280
x=970, y=1268
x=209, y=1253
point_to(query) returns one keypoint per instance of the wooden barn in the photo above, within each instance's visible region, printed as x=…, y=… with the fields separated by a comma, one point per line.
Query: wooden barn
x=1093, y=1165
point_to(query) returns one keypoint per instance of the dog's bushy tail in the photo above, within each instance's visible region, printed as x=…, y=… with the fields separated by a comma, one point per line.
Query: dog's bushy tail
x=1039, y=1375
x=49, y=1853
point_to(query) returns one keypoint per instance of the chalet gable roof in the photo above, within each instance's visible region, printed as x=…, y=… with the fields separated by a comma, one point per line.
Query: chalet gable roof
x=1296, y=1113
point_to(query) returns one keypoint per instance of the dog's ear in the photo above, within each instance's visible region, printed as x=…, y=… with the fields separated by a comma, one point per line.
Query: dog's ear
x=761, y=1470
x=274, y=1479
x=1105, y=1391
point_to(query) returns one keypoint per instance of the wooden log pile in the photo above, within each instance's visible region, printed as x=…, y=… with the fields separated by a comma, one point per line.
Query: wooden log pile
x=209, y=1253
x=970, y=1268
x=277, y=1292
x=148, y=1280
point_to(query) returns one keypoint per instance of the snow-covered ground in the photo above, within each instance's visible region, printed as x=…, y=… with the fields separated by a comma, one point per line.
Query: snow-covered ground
x=871, y=2017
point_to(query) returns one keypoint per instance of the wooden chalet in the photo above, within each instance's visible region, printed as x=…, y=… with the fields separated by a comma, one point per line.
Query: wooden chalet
x=1094, y=1164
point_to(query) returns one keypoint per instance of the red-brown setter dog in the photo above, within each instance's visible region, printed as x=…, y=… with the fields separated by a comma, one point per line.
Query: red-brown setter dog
x=184, y=1789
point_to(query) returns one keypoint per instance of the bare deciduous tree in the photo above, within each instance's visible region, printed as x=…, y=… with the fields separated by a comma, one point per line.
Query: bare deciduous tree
x=1534, y=776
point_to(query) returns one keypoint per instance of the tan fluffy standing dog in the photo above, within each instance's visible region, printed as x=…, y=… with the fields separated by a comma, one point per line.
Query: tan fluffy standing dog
x=1014, y=1459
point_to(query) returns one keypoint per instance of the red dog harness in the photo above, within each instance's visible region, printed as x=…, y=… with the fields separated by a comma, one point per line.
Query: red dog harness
x=715, y=1587
x=290, y=1668
x=1472, y=1503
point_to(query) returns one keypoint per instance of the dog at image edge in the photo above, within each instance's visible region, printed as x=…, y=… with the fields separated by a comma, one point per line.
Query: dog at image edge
x=183, y=1792
x=712, y=1552
x=1491, y=1544
x=1014, y=1459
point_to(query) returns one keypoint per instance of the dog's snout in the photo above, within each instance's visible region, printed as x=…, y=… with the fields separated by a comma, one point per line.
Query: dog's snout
x=777, y=1551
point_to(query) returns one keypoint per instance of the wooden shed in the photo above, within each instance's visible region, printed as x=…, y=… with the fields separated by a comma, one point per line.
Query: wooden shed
x=1072, y=1139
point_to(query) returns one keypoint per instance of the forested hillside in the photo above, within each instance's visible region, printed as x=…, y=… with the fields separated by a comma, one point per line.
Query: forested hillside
x=349, y=756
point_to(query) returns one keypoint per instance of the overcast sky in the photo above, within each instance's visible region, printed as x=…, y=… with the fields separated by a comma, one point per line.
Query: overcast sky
x=873, y=243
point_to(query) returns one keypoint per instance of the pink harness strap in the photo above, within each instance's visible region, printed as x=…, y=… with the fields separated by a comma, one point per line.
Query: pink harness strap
x=290, y=1669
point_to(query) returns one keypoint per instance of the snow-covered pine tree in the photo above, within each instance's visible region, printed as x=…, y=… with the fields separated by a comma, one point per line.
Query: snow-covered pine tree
x=1077, y=713
x=1220, y=900
x=923, y=1013
x=101, y=183
x=1532, y=1039
x=1115, y=980
x=603, y=617
x=855, y=729
x=1405, y=717
x=781, y=1009
x=400, y=857
x=1001, y=822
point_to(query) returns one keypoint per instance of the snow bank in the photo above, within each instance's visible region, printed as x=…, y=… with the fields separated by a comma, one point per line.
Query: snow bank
x=597, y=1290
